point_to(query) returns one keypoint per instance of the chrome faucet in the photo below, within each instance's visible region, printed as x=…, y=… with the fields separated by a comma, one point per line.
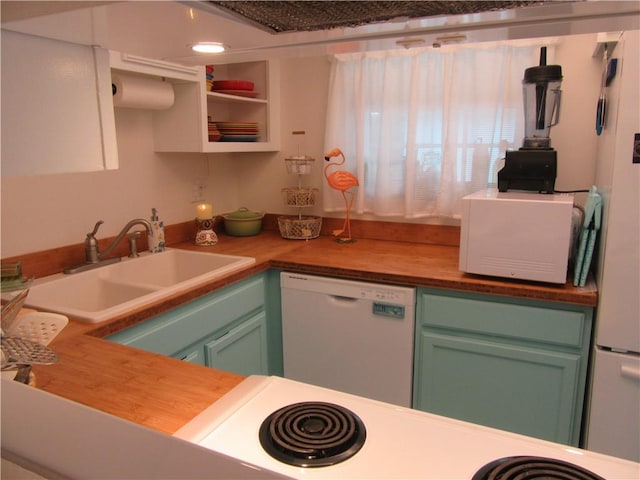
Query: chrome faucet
x=96, y=258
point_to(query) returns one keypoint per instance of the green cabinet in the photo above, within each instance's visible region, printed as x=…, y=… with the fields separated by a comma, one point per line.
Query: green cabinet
x=230, y=329
x=512, y=364
x=242, y=349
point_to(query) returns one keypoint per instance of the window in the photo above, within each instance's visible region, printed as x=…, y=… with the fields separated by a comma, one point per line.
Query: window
x=422, y=128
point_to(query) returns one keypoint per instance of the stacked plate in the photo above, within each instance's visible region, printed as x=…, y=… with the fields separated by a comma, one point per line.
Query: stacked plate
x=241, y=88
x=238, y=131
x=214, y=133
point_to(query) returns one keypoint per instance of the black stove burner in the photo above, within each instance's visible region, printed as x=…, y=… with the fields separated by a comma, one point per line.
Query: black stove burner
x=312, y=434
x=530, y=468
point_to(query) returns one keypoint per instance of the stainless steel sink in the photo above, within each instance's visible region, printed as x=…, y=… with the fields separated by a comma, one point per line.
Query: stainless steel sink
x=104, y=292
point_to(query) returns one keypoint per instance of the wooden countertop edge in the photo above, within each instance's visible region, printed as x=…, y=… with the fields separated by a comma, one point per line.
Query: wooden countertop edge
x=467, y=283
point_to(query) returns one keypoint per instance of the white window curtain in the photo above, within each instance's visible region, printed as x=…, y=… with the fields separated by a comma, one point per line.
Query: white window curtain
x=422, y=128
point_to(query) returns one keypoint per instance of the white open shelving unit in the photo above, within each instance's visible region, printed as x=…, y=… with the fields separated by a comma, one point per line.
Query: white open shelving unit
x=184, y=126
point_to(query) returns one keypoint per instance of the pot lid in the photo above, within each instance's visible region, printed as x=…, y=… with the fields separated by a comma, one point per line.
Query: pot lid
x=244, y=214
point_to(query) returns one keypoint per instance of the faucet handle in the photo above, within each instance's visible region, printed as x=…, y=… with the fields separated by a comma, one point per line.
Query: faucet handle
x=91, y=245
x=95, y=229
x=133, y=248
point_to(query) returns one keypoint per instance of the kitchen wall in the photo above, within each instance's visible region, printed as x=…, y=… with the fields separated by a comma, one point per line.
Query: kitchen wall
x=305, y=83
x=48, y=211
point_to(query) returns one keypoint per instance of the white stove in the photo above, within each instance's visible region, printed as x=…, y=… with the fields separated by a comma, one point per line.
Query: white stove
x=398, y=442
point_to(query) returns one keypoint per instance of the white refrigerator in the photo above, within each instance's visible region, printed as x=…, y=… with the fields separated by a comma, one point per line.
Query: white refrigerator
x=614, y=410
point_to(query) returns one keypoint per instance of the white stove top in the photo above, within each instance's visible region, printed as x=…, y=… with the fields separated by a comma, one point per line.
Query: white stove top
x=400, y=442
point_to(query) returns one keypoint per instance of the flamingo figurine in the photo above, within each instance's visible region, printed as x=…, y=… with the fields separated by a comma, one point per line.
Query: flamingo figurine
x=341, y=180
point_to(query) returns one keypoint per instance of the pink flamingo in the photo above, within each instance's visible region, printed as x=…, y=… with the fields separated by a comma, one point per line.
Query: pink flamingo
x=341, y=180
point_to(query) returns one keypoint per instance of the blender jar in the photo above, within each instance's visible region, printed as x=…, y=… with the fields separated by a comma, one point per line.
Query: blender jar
x=541, y=91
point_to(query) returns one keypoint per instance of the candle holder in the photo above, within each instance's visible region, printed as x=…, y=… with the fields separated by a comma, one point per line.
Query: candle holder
x=205, y=236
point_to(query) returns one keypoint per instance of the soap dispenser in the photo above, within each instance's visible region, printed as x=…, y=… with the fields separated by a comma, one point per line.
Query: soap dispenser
x=156, y=241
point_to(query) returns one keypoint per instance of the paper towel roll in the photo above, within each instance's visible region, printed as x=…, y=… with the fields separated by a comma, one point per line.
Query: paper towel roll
x=139, y=92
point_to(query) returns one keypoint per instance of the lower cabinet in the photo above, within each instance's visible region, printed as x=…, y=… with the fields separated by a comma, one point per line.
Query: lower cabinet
x=511, y=364
x=242, y=349
x=227, y=329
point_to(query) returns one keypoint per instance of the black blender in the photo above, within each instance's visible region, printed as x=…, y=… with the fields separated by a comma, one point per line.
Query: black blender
x=533, y=167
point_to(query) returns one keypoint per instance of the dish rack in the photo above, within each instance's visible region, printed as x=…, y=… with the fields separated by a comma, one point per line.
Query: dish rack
x=299, y=227
x=38, y=327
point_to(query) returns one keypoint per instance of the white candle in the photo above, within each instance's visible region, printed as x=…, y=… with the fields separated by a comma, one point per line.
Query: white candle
x=204, y=211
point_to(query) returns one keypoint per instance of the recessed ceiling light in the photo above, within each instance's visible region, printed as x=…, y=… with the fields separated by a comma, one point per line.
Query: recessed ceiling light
x=208, y=47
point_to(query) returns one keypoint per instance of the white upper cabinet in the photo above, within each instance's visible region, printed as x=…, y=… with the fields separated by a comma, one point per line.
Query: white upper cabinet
x=57, y=110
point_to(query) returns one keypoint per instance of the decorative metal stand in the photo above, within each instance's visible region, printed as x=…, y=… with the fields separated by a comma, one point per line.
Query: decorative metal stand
x=299, y=227
x=205, y=236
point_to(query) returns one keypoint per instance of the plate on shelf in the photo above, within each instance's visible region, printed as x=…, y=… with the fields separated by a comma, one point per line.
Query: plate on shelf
x=238, y=93
x=233, y=85
x=239, y=138
x=239, y=131
x=214, y=133
x=236, y=124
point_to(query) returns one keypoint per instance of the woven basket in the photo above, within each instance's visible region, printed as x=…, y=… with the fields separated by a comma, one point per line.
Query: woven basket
x=299, y=228
x=299, y=197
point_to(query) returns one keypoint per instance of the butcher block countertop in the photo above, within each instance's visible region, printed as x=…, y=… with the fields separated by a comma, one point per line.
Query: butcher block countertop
x=164, y=393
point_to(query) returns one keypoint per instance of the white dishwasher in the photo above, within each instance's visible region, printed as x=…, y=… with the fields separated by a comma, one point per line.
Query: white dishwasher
x=356, y=337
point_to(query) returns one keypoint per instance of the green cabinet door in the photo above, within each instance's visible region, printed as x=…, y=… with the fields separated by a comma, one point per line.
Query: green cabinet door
x=241, y=350
x=518, y=389
x=233, y=329
x=513, y=364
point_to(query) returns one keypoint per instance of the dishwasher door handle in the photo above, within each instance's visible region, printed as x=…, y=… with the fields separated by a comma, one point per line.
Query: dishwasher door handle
x=340, y=300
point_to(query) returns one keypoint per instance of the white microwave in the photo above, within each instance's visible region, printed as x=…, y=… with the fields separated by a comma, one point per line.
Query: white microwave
x=519, y=235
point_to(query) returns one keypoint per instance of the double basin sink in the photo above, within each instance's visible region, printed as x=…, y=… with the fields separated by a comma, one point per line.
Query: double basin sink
x=107, y=291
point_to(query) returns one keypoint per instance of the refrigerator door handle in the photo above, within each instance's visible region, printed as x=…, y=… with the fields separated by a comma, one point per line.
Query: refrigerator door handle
x=630, y=372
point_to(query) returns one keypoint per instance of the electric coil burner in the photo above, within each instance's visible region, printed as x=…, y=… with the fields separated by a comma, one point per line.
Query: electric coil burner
x=530, y=468
x=312, y=434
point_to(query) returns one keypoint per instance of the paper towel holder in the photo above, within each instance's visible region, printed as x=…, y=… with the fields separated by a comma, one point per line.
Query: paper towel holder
x=134, y=91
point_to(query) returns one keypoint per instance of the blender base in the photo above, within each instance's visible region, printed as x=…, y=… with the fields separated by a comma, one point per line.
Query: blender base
x=531, y=170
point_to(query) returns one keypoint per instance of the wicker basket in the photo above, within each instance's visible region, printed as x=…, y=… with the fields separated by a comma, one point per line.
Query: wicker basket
x=299, y=197
x=299, y=228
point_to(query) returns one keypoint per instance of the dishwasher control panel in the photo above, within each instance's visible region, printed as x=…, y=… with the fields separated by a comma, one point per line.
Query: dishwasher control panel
x=387, y=310
x=383, y=295
x=357, y=290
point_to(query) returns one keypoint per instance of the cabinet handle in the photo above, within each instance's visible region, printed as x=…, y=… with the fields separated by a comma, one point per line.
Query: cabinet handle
x=189, y=357
x=630, y=372
x=223, y=335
